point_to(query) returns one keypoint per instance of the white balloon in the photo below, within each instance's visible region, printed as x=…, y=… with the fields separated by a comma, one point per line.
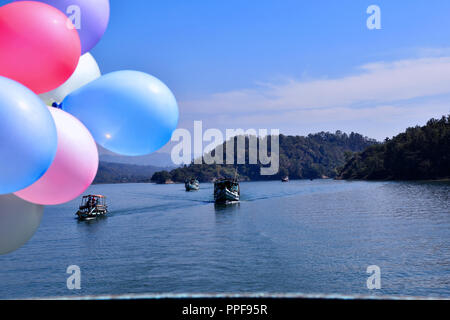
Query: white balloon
x=19, y=221
x=86, y=71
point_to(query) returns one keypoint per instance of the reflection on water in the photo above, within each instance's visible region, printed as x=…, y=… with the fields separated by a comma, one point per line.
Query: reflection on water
x=91, y=224
x=302, y=236
x=226, y=207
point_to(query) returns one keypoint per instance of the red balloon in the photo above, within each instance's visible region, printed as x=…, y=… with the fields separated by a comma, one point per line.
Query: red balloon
x=39, y=47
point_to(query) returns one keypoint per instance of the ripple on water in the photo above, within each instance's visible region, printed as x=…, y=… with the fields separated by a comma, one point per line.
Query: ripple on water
x=302, y=236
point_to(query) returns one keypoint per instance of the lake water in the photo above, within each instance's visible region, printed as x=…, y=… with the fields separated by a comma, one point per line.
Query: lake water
x=297, y=237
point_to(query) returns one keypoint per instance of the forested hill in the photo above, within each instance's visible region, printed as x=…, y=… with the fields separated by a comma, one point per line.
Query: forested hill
x=124, y=173
x=313, y=156
x=417, y=154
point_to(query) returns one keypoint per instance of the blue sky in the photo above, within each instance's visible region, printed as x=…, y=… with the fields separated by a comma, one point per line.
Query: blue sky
x=298, y=66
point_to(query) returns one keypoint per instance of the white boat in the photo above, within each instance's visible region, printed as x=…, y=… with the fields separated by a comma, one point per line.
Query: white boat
x=192, y=185
x=92, y=207
x=226, y=190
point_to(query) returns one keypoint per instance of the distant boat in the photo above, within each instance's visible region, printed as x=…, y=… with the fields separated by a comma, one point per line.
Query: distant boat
x=226, y=190
x=192, y=185
x=92, y=207
x=285, y=179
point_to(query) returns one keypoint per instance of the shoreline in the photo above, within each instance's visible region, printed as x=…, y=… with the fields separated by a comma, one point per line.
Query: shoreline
x=446, y=180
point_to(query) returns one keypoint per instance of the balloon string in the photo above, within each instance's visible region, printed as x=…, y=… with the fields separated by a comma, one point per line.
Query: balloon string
x=57, y=106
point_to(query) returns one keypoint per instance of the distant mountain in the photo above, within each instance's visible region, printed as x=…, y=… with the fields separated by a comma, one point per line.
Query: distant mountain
x=418, y=153
x=315, y=156
x=124, y=173
x=158, y=159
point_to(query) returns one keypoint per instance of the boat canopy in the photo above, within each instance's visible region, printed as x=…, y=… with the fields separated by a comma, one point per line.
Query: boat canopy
x=93, y=196
x=226, y=181
x=93, y=201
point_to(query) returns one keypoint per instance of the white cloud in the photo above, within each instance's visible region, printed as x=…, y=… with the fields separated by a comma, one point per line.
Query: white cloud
x=380, y=99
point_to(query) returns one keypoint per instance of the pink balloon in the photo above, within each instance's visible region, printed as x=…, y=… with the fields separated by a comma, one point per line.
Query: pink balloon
x=39, y=46
x=74, y=168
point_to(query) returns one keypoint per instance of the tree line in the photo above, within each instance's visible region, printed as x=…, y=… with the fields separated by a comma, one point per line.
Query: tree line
x=419, y=153
x=300, y=157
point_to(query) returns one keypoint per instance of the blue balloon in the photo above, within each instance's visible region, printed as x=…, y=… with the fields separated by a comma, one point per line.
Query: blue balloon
x=128, y=112
x=28, y=137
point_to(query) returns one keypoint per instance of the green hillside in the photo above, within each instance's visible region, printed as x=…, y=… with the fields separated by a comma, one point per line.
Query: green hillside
x=313, y=156
x=417, y=154
x=123, y=173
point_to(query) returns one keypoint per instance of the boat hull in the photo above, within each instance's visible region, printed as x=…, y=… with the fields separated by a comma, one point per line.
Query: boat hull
x=192, y=187
x=225, y=195
x=91, y=215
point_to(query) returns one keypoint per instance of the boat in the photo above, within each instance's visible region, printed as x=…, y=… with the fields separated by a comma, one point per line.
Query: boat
x=285, y=179
x=192, y=185
x=92, y=207
x=226, y=190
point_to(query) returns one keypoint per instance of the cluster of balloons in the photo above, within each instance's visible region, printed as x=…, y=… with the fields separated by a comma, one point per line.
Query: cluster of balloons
x=55, y=106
